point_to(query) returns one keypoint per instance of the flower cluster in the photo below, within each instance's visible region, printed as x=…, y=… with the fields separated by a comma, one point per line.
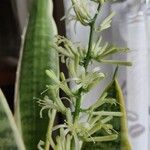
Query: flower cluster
x=75, y=130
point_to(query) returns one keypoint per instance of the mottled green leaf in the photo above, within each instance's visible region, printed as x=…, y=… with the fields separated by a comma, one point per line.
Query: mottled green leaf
x=9, y=135
x=36, y=56
x=119, y=123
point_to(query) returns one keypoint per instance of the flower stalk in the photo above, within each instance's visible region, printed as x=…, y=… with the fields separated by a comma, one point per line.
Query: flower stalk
x=92, y=26
x=75, y=131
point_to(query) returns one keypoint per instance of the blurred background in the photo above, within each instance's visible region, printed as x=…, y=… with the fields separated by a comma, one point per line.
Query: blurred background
x=130, y=28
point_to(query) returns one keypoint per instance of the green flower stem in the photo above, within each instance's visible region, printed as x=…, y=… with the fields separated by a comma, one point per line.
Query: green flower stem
x=87, y=58
x=86, y=62
x=76, y=113
x=77, y=107
x=49, y=130
x=92, y=25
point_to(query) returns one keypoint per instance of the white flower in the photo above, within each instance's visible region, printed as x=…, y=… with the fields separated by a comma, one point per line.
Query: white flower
x=82, y=11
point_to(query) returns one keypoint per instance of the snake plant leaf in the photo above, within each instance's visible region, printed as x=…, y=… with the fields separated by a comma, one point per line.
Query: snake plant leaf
x=9, y=135
x=36, y=56
x=119, y=123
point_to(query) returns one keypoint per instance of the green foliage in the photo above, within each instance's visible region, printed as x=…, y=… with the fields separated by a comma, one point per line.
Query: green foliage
x=36, y=57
